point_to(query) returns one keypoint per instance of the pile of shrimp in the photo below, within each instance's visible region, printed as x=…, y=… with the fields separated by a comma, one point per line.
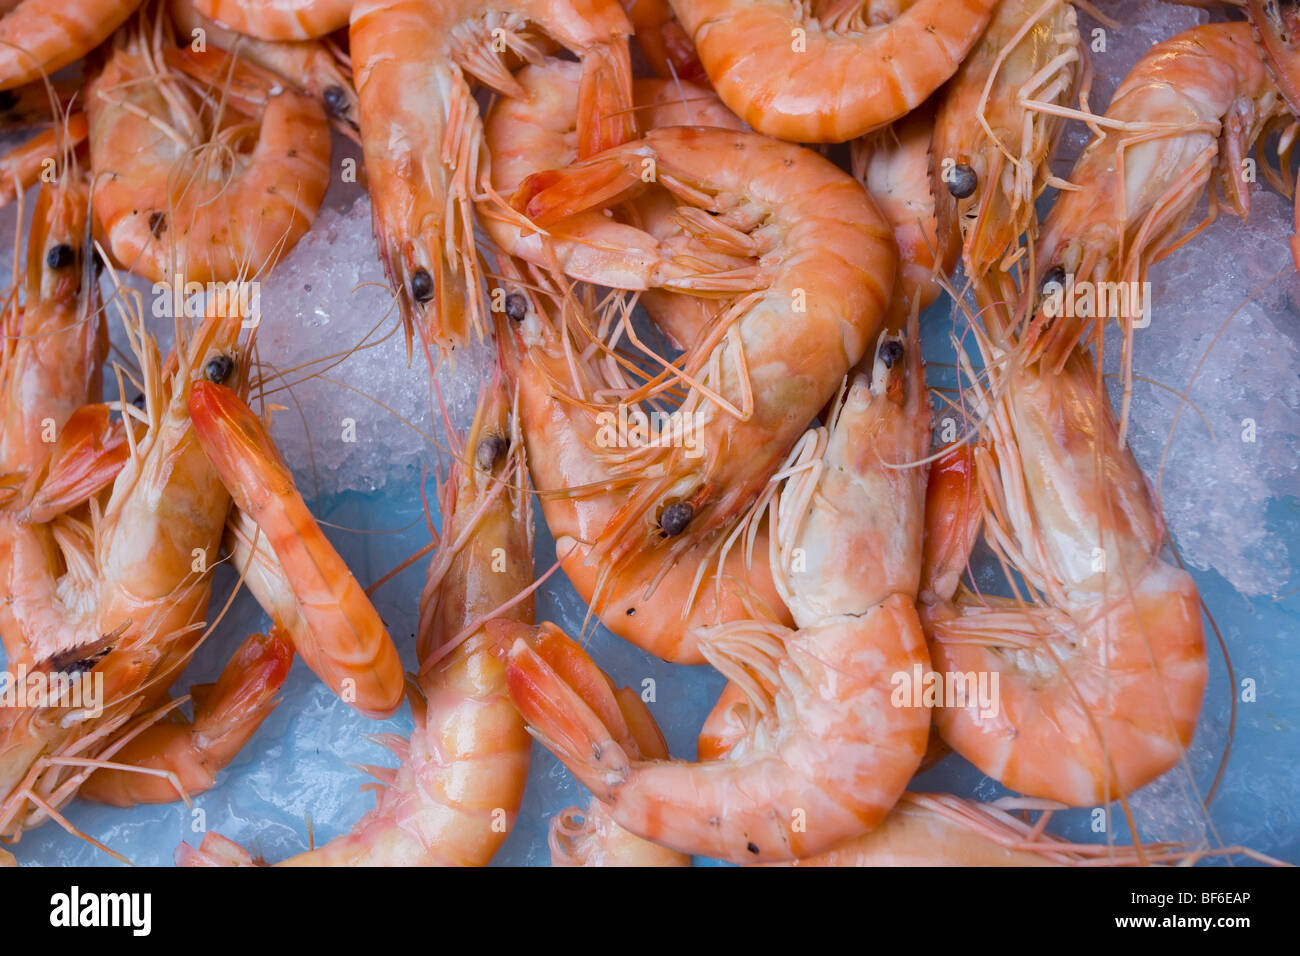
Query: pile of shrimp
x=708, y=384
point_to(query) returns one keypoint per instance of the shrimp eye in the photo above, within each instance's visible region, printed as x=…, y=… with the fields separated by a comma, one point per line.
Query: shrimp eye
x=422, y=285
x=60, y=256
x=1055, y=275
x=157, y=223
x=218, y=368
x=891, y=352
x=336, y=100
x=675, y=518
x=516, y=307
x=8, y=100
x=489, y=452
x=964, y=181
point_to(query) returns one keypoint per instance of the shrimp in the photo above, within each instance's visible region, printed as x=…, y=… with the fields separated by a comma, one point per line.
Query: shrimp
x=997, y=126
x=113, y=588
x=413, y=62
x=340, y=636
x=278, y=19
x=461, y=780
x=1101, y=664
x=808, y=265
x=22, y=166
x=171, y=198
x=827, y=753
x=38, y=37
x=314, y=67
x=1189, y=109
x=803, y=73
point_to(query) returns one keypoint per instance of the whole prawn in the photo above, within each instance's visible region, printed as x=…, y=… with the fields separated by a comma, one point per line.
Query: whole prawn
x=806, y=264
x=826, y=754
x=1100, y=657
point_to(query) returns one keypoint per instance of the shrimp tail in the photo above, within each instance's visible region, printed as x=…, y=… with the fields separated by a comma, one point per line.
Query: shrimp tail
x=215, y=850
x=90, y=451
x=568, y=702
x=173, y=759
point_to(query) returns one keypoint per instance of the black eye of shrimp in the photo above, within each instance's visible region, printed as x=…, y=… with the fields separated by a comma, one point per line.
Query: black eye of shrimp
x=675, y=518
x=218, y=368
x=891, y=352
x=964, y=182
x=516, y=307
x=422, y=285
x=489, y=452
x=336, y=100
x=1056, y=275
x=60, y=256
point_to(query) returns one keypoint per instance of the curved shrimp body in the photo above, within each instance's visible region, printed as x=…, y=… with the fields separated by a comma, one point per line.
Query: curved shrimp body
x=461, y=779
x=791, y=74
x=1103, y=669
x=413, y=63
x=1190, y=108
x=827, y=753
x=342, y=639
x=38, y=37
x=278, y=19
x=217, y=193
x=312, y=66
x=996, y=127
x=810, y=273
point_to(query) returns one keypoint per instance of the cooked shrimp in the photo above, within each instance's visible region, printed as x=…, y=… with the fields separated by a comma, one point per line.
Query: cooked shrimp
x=217, y=194
x=791, y=74
x=1100, y=659
x=314, y=67
x=808, y=265
x=1189, y=109
x=827, y=753
x=114, y=589
x=342, y=638
x=279, y=19
x=38, y=37
x=996, y=131
x=414, y=62
x=22, y=166
x=1277, y=29
x=461, y=781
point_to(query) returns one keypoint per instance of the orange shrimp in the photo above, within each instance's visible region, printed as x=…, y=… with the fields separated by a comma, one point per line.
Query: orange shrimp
x=1100, y=658
x=827, y=753
x=278, y=19
x=114, y=588
x=38, y=37
x=460, y=784
x=1277, y=30
x=21, y=167
x=806, y=290
x=807, y=74
x=662, y=40
x=214, y=197
x=413, y=63
x=1188, y=110
x=342, y=639
x=998, y=124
